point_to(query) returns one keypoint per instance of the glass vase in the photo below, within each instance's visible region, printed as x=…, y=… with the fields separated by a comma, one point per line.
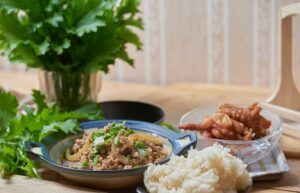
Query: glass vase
x=70, y=90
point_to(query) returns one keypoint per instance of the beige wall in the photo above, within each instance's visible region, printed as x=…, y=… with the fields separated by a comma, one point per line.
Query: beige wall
x=215, y=41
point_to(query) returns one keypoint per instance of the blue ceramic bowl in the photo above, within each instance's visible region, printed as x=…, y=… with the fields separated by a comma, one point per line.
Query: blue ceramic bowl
x=50, y=156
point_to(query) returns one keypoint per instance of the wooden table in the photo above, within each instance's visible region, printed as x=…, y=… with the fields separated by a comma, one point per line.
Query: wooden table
x=175, y=99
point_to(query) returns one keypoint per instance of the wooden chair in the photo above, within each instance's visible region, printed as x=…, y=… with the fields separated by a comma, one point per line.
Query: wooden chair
x=285, y=100
x=286, y=93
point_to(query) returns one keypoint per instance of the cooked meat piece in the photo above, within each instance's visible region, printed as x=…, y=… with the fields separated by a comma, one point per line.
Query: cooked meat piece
x=222, y=119
x=79, y=143
x=250, y=116
x=232, y=122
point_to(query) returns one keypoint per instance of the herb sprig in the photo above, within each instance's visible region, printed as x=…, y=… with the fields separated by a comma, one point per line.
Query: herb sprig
x=33, y=125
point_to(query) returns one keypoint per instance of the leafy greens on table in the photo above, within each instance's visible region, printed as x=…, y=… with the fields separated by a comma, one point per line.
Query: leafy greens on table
x=33, y=125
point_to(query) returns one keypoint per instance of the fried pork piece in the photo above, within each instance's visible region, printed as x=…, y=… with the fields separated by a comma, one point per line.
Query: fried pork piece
x=233, y=122
x=220, y=126
x=250, y=117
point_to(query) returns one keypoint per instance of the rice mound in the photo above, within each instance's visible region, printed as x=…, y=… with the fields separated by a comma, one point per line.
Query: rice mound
x=211, y=170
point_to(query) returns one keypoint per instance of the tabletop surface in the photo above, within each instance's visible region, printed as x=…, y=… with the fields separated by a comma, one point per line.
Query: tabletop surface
x=175, y=99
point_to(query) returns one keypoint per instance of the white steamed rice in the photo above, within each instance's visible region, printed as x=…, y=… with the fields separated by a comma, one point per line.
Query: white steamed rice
x=211, y=170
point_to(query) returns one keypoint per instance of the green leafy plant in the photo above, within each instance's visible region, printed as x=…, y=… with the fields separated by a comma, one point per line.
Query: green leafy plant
x=69, y=40
x=33, y=125
x=68, y=35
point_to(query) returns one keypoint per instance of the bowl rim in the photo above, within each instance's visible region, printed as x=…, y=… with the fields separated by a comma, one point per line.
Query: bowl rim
x=158, y=108
x=173, y=136
x=275, y=117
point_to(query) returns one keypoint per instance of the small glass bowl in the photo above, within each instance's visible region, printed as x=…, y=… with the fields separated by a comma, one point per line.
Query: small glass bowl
x=248, y=151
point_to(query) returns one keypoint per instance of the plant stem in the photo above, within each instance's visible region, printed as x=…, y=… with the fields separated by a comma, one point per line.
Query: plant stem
x=71, y=90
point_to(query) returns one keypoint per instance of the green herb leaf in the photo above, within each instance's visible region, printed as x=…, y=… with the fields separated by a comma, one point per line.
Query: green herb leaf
x=84, y=164
x=91, y=111
x=96, y=160
x=60, y=47
x=69, y=126
x=96, y=149
x=8, y=109
x=115, y=128
x=55, y=20
x=128, y=157
x=127, y=132
x=39, y=100
x=97, y=134
x=168, y=126
x=89, y=24
x=141, y=147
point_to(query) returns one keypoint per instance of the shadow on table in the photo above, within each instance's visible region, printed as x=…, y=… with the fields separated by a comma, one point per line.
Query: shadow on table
x=55, y=177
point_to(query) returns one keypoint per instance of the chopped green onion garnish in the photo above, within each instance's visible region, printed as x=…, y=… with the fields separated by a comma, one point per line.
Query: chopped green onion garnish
x=129, y=157
x=84, y=163
x=96, y=160
x=141, y=147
